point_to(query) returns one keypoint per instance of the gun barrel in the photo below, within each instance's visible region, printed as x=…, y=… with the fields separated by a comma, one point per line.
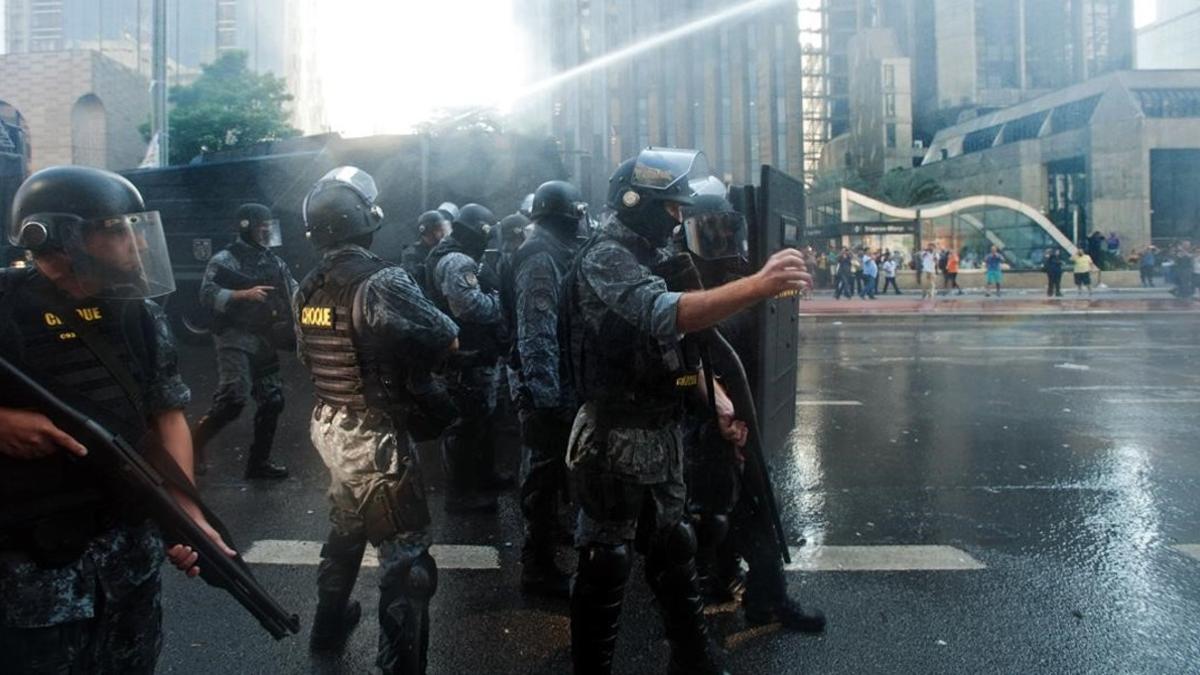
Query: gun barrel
x=230, y=574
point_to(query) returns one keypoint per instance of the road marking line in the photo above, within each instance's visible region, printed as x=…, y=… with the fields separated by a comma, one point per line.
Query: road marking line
x=1140, y=401
x=821, y=403
x=1192, y=550
x=884, y=558
x=294, y=552
x=1121, y=387
x=1050, y=348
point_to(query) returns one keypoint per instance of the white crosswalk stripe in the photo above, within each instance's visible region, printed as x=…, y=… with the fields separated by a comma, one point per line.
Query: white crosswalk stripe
x=883, y=558
x=1192, y=550
x=293, y=552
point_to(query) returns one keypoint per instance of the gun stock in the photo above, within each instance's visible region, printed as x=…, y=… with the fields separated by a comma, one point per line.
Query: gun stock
x=134, y=472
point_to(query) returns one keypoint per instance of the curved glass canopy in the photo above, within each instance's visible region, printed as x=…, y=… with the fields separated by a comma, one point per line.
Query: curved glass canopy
x=971, y=226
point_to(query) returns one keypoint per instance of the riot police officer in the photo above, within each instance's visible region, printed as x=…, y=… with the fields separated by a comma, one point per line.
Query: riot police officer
x=544, y=402
x=79, y=565
x=632, y=379
x=432, y=227
x=460, y=287
x=728, y=525
x=249, y=290
x=367, y=335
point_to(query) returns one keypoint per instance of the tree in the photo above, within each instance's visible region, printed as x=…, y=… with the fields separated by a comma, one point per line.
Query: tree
x=227, y=106
x=905, y=187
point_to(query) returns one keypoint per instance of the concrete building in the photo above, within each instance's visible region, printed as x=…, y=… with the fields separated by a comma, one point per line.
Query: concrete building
x=966, y=58
x=732, y=89
x=81, y=107
x=1170, y=42
x=881, y=114
x=1118, y=153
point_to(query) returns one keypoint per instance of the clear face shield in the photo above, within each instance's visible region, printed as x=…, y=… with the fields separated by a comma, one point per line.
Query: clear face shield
x=122, y=258
x=717, y=236
x=266, y=234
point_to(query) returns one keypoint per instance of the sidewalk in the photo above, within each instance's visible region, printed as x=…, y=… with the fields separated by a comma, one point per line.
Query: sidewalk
x=1017, y=301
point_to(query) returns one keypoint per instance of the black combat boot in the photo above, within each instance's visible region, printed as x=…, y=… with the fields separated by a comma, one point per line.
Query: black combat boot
x=540, y=574
x=766, y=600
x=258, y=462
x=596, y=597
x=337, y=615
x=671, y=574
x=404, y=593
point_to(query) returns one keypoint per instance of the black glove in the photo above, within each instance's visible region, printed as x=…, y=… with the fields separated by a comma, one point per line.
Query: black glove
x=680, y=273
x=489, y=280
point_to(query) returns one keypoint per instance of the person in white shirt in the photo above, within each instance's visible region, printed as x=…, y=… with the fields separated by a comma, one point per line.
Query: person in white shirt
x=889, y=274
x=929, y=271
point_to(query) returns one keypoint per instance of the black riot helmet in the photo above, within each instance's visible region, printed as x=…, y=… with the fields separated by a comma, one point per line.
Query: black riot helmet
x=512, y=232
x=473, y=227
x=642, y=186
x=433, y=224
x=557, y=205
x=98, y=221
x=341, y=207
x=257, y=226
x=448, y=209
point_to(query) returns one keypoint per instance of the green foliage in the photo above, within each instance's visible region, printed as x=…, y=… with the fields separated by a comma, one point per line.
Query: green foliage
x=227, y=106
x=898, y=187
x=905, y=187
x=457, y=120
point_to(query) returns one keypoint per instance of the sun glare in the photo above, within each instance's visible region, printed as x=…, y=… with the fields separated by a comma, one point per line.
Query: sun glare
x=387, y=65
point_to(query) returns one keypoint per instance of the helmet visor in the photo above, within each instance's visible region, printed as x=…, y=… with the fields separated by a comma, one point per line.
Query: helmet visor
x=121, y=258
x=267, y=233
x=669, y=171
x=717, y=236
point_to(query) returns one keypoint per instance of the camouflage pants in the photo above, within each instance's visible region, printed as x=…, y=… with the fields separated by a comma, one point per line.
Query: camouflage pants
x=628, y=481
x=468, y=453
x=123, y=638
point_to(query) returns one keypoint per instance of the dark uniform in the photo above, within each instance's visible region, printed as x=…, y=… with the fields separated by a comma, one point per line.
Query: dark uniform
x=247, y=334
x=366, y=334
x=79, y=571
x=457, y=288
x=545, y=403
x=729, y=524
x=625, y=454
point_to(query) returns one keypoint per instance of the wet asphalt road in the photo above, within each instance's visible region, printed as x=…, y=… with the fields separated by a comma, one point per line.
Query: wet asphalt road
x=1058, y=453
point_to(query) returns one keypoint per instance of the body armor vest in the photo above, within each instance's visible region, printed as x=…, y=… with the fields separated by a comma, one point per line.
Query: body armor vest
x=258, y=267
x=347, y=368
x=484, y=338
x=560, y=255
x=614, y=363
x=40, y=342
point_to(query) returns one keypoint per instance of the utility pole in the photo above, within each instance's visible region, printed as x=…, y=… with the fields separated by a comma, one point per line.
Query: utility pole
x=158, y=82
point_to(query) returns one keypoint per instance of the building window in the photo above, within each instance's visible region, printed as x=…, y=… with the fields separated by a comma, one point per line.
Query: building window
x=1073, y=115
x=1169, y=102
x=889, y=76
x=981, y=139
x=890, y=130
x=1029, y=126
x=889, y=105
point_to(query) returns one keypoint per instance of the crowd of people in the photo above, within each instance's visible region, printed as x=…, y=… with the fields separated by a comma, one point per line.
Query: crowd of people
x=603, y=334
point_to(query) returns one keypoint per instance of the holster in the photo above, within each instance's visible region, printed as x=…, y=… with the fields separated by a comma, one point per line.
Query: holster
x=395, y=504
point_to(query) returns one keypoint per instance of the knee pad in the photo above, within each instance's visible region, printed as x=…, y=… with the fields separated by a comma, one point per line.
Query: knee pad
x=422, y=579
x=605, y=563
x=711, y=529
x=676, y=544
x=272, y=404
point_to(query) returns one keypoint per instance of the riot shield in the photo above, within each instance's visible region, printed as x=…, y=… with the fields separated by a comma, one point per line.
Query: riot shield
x=778, y=221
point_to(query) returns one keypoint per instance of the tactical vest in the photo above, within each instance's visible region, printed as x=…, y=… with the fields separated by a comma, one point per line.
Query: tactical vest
x=347, y=368
x=537, y=243
x=616, y=365
x=38, y=341
x=483, y=338
x=257, y=267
